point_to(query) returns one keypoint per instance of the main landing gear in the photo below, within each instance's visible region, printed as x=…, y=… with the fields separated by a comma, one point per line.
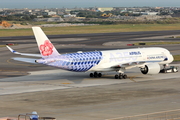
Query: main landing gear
x=98, y=75
x=120, y=76
x=95, y=75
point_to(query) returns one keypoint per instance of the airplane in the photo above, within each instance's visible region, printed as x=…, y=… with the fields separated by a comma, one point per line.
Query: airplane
x=149, y=60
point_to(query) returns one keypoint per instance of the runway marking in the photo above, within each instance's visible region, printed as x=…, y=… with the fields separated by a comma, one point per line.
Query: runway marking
x=65, y=83
x=42, y=83
x=132, y=78
x=174, y=50
x=8, y=61
x=121, y=118
x=11, y=71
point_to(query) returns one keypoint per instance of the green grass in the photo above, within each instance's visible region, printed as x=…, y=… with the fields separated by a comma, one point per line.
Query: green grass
x=176, y=57
x=2, y=45
x=92, y=29
x=157, y=43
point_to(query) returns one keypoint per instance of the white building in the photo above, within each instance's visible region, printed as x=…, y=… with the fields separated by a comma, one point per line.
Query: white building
x=69, y=15
x=105, y=9
x=49, y=13
x=146, y=13
x=149, y=13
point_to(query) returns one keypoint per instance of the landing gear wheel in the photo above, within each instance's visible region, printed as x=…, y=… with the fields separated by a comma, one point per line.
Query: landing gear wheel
x=91, y=75
x=125, y=76
x=116, y=76
x=95, y=74
x=120, y=76
x=99, y=75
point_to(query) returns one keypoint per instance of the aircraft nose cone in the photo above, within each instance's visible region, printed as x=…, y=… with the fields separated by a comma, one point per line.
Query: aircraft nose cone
x=171, y=58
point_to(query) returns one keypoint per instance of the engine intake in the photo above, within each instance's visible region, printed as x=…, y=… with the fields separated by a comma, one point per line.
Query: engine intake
x=152, y=68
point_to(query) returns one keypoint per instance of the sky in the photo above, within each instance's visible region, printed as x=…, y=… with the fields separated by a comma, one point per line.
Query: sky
x=86, y=3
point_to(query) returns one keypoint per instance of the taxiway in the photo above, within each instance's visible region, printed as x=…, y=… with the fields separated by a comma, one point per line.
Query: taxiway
x=65, y=95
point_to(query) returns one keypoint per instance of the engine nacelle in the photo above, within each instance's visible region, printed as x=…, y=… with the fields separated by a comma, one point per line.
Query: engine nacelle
x=152, y=68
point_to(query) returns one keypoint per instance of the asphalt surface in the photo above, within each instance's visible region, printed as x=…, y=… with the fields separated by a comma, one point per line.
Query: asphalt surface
x=98, y=38
x=74, y=96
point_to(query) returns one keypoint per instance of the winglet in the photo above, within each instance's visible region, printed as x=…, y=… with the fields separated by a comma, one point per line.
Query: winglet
x=13, y=51
x=25, y=54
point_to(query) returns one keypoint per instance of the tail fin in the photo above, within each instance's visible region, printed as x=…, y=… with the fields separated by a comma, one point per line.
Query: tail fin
x=45, y=46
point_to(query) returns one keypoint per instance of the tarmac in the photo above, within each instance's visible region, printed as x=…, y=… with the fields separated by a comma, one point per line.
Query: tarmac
x=50, y=93
x=60, y=79
x=67, y=95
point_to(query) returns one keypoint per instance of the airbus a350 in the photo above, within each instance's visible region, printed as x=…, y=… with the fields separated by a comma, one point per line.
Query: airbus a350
x=149, y=60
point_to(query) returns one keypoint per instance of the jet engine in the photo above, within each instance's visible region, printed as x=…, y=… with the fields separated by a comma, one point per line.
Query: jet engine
x=152, y=68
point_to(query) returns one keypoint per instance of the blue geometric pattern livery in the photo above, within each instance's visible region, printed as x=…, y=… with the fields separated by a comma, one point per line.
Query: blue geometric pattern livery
x=78, y=62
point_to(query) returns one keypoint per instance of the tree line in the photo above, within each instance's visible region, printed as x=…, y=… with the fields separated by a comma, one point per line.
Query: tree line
x=17, y=17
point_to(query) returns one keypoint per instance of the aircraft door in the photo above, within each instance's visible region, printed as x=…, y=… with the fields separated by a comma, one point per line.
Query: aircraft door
x=144, y=56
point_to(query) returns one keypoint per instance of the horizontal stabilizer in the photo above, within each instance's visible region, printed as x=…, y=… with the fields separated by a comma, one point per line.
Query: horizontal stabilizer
x=25, y=54
x=28, y=60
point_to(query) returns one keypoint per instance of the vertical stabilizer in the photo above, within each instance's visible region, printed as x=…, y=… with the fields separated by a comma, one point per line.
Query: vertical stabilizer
x=45, y=46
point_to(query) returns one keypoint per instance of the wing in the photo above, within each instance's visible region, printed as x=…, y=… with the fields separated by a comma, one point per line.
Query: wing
x=134, y=64
x=130, y=65
x=25, y=54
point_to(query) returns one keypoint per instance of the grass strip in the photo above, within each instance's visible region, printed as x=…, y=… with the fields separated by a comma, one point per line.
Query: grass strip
x=176, y=57
x=2, y=45
x=91, y=29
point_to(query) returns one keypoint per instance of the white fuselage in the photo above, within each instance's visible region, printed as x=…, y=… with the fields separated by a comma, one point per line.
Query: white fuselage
x=109, y=60
x=132, y=57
